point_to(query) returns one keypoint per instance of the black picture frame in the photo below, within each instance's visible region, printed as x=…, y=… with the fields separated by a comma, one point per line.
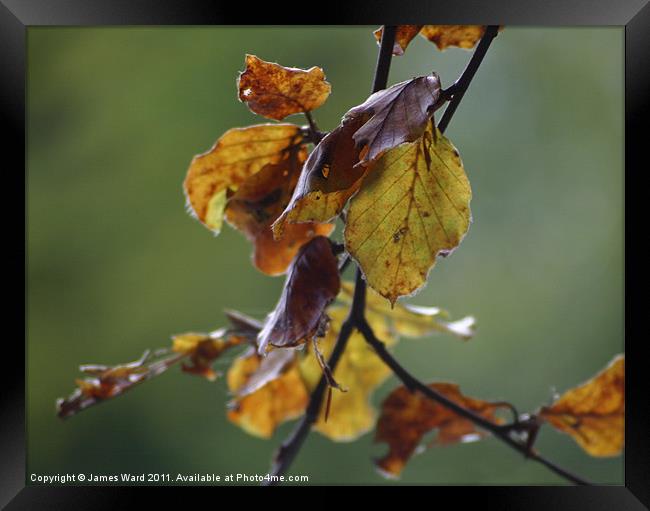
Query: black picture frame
x=18, y=15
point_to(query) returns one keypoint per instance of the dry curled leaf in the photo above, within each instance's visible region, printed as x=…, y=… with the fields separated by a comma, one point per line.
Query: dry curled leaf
x=106, y=382
x=407, y=416
x=258, y=202
x=328, y=179
x=462, y=36
x=359, y=371
x=275, y=91
x=404, y=34
x=412, y=320
x=396, y=115
x=238, y=154
x=312, y=284
x=413, y=206
x=593, y=414
x=281, y=398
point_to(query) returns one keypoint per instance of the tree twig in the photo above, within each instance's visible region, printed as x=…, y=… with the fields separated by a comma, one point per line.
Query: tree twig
x=458, y=89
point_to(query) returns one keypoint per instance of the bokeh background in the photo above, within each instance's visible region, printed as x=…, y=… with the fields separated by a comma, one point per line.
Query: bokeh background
x=116, y=265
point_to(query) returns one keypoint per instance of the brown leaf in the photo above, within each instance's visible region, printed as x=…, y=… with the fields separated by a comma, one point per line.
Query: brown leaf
x=403, y=36
x=238, y=154
x=407, y=416
x=462, y=36
x=258, y=202
x=328, y=179
x=593, y=413
x=398, y=114
x=312, y=284
x=275, y=91
x=280, y=399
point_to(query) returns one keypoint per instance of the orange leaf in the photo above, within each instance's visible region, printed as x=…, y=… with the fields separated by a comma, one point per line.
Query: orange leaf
x=238, y=154
x=462, y=36
x=593, y=413
x=258, y=202
x=282, y=398
x=312, y=284
x=275, y=91
x=203, y=350
x=407, y=416
x=403, y=36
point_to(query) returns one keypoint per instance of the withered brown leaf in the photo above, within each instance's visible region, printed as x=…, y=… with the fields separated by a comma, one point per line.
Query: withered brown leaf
x=396, y=115
x=462, y=36
x=275, y=91
x=328, y=179
x=407, y=416
x=312, y=283
x=593, y=413
x=258, y=202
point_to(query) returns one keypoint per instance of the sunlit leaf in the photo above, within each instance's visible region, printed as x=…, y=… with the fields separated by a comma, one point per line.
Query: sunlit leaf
x=328, y=179
x=359, y=372
x=593, y=413
x=280, y=399
x=203, y=349
x=412, y=320
x=312, y=284
x=258, y=202
x=396, y=115
x=275, y=91
x=407, y=416
x=413, y=206
x=404, y=34
x=238, y=154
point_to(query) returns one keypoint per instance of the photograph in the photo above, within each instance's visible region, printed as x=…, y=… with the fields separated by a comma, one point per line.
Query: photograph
x=338, y=254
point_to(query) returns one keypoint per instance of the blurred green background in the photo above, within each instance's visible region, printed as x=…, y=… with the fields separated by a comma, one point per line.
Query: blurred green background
x=116, y=265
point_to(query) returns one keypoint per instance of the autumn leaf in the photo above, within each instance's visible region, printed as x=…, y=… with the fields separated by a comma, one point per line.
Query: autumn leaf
x=360, y=371
x=238, y=154
x=258, y=202
x=203, y=349
x=106, y=382
x=412, y=320
x=407, y=416
x=462, y=36
x=275, y=91
x=396, y=115
x=312, y=284
x=404, y=34
x=281, y=398
x=593, y=413
x=413, y=206
x=328, y=179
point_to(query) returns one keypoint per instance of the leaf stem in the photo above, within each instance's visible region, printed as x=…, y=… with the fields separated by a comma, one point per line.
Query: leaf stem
x=458, y=89
x=291, y=446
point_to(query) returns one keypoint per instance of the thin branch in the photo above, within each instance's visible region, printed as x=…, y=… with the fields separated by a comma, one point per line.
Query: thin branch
x=500, y=431
x=458, y=89
x=315, y=135
x=291, y=446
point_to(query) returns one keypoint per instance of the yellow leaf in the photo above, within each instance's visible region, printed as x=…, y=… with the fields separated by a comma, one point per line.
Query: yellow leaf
x=237, y=155
x=413, y=206
x=412, y=320
x=359, y=371
x=280, y=399
x=403, y=36
x=593, y=414
x=275, y=91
